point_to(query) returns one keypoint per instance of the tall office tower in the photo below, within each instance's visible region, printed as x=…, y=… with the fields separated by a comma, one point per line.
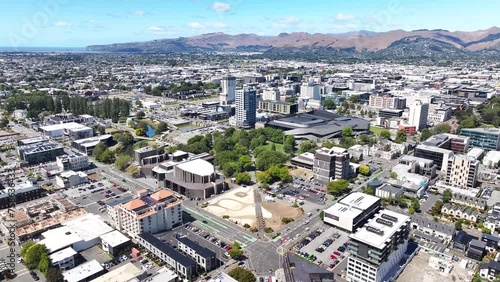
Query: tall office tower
x=331, y=164
x=228, y=84
x=377, y=247
x=419, y=112
x=246, y=107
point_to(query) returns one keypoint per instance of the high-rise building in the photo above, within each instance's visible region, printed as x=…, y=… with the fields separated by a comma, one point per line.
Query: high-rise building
x=387, y=102
x=148, y=213
x=419, y=112
x=485, y=138
x=228, y=84
x=377, y=247
x=462, y=171
x=246, y=107
x=331, y=164
x=271, y=94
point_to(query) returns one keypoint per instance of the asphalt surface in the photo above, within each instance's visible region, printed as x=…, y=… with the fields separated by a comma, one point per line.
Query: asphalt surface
x=427, y=205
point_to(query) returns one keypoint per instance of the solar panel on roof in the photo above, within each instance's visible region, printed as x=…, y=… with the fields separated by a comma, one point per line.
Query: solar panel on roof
x=375, y=230
x=384, y=222
x=389, y=217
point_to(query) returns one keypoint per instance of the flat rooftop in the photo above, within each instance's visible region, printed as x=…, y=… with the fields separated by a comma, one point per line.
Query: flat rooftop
x=380, y=228
x=352, y=205
x=83, y=271
x=114, y=238
x=122, y=273
x=62, y=254
x=198, y=166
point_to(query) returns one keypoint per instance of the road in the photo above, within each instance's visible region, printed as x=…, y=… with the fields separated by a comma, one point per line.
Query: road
x=427, y=205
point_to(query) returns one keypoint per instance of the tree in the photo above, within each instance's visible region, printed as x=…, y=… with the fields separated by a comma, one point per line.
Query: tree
x=327, y=144
x=415, y=204
x=4, y=122
x=289, y=144
x=400, y=136
x=338, y=186
x=140, y=132
x=107, y=157
x=229, y=168
x=364, y=170
x=347, y=132
x=273, y=147
x=244, y=163
x=307, y=146
x=270, y=158
x=25, y=248
x=425, y=134
x=436, y=209
x=243, y=178
x=98, y=151
x=458, y=224
x=369, y=191
x=242, y=275
x=44, y=263
x=411, y=210
x=393, y=175
x=140, y=115
x=138, y=103
x=447, y=195
x=236, y=252
x=329, y=104
x=54, y=275
x=286, y=220
x=263, y=177
x=442, y=128
x=162, y=127
x=122, y=162
x=385, y=134
x=33, y=256
x=322, y=215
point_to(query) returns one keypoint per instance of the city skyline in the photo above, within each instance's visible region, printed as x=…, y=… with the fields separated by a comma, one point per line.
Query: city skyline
x=59, y=23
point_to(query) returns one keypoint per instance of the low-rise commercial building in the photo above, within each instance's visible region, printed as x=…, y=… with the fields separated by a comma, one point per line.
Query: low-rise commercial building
x=331, y=164
x=115, y=242
x=38, y=153
x=87, y=145
x=484, y=138
x=352, y=211
x=63, y=259
x=76, y=161
x=24, y=192
x=279, y=107
x=71, y=178
x=84, y=272
x=71, y=129
x=204, y=257
x=304, y=160
x=492, y=159
x=183, y=265
x=127, y=272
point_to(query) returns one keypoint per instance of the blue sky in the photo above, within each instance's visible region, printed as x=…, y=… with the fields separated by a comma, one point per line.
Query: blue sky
x=78, y=23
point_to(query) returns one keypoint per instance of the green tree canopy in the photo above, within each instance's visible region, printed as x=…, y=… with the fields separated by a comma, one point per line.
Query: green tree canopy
x=242, y=275
x=347, y=132
x=54, y=275
x=385, y=134
x=364, y=170
x=270, y=158
x=122, y=162
x=400, y=136
x=307, y=146
x=425, y=134
x=447, y=195
x=162, y=127
x=140, y=132
x=34, y=255
x=338, y=186
x=140, y=115
x=243, y=178
x=329, y=104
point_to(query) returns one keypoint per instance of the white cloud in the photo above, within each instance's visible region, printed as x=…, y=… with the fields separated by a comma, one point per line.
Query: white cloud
x=159, y=30
x=206, y=25
x=286, y=22
x=221, y=7
x=219, y=25
x=63, y=24
x=349, y=26
x=344, y=17
x=137, y=12
x=195, y=25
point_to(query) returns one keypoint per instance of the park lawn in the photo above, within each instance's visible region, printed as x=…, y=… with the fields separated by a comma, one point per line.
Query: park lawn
x=375, y=130
x=279, y=147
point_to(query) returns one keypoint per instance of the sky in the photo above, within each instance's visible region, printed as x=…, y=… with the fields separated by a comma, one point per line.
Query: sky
x=79, y=23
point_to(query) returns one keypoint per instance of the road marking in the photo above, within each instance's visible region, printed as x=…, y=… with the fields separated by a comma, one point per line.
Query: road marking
x=24, y=271
x=206, y=217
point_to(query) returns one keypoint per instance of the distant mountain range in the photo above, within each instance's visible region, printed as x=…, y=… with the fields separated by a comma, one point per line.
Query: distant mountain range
x=395, y=43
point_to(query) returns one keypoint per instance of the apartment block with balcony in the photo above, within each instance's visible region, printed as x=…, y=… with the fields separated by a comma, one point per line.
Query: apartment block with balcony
x=377, y=247
x=387, y=102
x=462, y=171
x=330, y=164
x=76, y=161
x=147, y=212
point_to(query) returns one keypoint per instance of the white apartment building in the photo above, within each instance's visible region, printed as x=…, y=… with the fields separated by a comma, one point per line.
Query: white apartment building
x=492, y=159
x=153, y=213
x=271, y=94
x=418, y=115
x=246, y=107
x=462, y=171
x=312, y=90
x=377, y=247
x=228, y=84
x=439, y=114
x=76, y=161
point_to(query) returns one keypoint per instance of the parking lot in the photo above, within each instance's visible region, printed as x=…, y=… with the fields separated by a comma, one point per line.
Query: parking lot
x=325, y=249
x=304, y=189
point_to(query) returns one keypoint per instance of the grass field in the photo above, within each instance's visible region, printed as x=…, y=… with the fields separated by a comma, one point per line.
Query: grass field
x=376, y=130
x=279, y=147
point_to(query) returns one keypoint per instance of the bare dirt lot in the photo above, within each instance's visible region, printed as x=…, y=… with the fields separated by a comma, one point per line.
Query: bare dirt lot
x=278, y=211
x=419, y=270
x=300, y=172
